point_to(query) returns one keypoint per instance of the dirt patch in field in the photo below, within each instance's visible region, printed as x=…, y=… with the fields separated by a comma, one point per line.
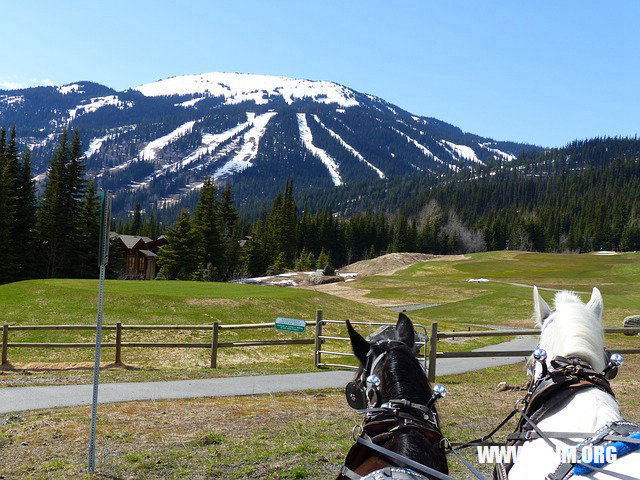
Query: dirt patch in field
x=383, y=265
x=343, y=290
x=392, y=262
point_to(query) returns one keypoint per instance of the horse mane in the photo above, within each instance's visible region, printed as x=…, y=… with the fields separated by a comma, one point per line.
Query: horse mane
x=573, y=330
x=403, y=377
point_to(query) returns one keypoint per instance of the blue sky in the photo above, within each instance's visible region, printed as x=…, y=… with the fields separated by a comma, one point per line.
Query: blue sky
x=542, y=72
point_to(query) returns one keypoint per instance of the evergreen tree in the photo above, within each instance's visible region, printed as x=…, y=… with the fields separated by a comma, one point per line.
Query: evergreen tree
x=229, y=234
x=178, y=259
x=8, y=199
x=207, y=222
x=136, y=222
x=24, y=234
x=89, y=223
x=55, y=229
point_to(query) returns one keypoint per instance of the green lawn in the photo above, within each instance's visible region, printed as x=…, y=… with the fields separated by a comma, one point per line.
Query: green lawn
x=63, y=301
x=497, y=302
x=463, y=306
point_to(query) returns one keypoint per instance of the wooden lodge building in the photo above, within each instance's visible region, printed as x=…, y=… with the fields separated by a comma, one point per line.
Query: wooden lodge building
x=140, y=255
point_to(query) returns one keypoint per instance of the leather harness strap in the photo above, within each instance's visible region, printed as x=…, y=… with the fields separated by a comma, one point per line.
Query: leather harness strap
x=379, y=431
x=402, y=460
x=569, y=376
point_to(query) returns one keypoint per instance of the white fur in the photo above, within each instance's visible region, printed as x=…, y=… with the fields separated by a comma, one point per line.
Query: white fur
x=572, y=329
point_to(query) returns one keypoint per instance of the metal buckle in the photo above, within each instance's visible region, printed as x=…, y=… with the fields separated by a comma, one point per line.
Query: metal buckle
x=356, y=428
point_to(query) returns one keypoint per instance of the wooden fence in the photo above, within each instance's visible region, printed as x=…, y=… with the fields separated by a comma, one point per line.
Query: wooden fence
x=318, y=341
x=215, y=328
x=321, y=339
x=436, y=335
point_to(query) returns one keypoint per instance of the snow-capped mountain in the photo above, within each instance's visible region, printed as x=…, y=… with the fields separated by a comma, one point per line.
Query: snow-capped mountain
x=155, y=143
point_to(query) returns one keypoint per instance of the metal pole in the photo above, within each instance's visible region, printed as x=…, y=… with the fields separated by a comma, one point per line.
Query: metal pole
x=433, y=345
x=103, y=258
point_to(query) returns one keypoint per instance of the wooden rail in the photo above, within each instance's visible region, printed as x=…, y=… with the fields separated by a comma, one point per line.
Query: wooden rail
x=436, y=335
x=321, y=339
x=215, y=328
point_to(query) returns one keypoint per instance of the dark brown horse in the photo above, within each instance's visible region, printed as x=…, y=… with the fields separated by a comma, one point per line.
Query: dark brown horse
x=393, y=392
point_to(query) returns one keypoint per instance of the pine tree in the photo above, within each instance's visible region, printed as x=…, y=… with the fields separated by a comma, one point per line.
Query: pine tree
x=8, y=199
x=324, y=260
x=177, y=259
x=253, y=256
x=136, y=221
x=89, y=222
x=207, y=224
x=229, y=234
x=25, y=240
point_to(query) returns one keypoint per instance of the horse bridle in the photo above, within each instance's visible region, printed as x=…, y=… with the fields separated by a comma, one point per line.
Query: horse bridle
x=363, y=391
x=382, y=420
x=569, y=375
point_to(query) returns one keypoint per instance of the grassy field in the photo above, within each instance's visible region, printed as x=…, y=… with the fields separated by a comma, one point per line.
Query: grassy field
x=499, y=302
x=300, y=435
x=462, y=306
x=285, y=436
x=62, y=301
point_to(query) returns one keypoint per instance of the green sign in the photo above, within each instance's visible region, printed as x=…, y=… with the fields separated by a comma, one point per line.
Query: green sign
x=290, y=324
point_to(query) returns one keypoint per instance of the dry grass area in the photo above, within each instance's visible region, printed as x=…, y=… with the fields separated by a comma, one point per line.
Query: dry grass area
x=392, y=262
x=297, y=435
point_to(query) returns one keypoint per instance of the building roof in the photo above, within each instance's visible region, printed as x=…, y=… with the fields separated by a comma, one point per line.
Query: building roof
x=147, y=253
x=136, y=241
x=131, y=241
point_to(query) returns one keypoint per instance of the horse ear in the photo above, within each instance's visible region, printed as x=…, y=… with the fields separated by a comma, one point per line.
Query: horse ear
x=596, y=304
x=404, y=331
x=540, y=308
x=359, y=345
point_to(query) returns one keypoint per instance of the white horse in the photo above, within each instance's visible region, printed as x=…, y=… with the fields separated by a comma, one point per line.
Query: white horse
x=573, y=329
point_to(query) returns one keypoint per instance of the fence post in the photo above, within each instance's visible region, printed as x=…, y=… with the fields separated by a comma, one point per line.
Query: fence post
x=214, y=345
x=5, y=341
x=119, y=343
x=318, y=355
x=433, y=345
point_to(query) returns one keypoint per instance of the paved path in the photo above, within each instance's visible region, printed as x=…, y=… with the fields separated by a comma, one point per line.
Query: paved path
x=15, y=399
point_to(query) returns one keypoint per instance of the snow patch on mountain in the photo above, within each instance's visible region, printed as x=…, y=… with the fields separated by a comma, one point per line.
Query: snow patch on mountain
x=189, y=103
x=242, y=160
x=507, y=156
x=211, y=141
x=349, y=148
x=420, y=147
x=97, y=103
x=71, y=88
x=461, y=151
x=240, y=87
x=324, y=157
x=96, y=143
x=151, y=150
x=11, y=99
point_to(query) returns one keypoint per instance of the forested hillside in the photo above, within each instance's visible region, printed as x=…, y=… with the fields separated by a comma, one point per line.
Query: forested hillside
x=579, y=198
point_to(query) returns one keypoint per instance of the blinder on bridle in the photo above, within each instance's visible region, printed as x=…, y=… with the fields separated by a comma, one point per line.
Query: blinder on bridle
x=363, y=392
